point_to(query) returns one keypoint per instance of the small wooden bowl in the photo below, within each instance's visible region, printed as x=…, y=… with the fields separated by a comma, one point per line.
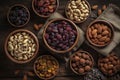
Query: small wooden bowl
x=56, y=51
x=74, y=20
x=44, y=16
x=9, y=55
x=44, y=58
x=111, y=32
x=102, y=58
x=19, y=5
x=81, y=51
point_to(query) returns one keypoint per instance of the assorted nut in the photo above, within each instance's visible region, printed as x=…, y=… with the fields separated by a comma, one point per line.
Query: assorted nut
x=18, y=15
x=60, y=34
x=77, y=10
x=109, y=65
x=46, y=67
x=81, y=62
x=99, y=33
x=21, y=45
x=45, y=7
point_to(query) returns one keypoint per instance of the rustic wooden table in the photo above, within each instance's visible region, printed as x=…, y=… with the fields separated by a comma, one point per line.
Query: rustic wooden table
x=8, y=68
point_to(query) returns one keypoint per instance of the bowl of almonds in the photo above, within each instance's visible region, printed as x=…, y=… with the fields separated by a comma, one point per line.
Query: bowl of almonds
x=46, y=67
x=109, y=65
x=44, y=8
x=21, y=46
x=100, y=33
x=77, y=10
x=81, y=62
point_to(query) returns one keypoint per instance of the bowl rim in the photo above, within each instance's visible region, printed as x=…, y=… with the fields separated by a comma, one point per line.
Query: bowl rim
x=43, y=16
x=98, y=63
x=54, y=60
x=74, y=20
x=35, y=39
x=109, y=25
x=21, y=5
x=70, y=61
x=64, y=51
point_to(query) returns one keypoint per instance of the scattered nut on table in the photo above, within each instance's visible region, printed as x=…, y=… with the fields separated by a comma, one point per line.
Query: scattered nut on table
x=77, y=10
x=21, y=46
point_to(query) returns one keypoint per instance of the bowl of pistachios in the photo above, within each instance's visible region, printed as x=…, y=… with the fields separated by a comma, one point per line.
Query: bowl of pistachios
x=77, y=10
x=21, y=46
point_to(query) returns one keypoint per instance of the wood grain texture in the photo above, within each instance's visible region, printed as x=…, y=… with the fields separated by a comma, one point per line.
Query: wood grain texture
x=7, y=67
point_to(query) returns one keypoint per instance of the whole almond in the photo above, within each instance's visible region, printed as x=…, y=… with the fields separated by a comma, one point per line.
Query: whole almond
x=99, y=12
x=101, y=43
x=106, y=32
x=89, y=32
x=102, y=39
x=94, y=7
x=104, y=7
x=104, y=27
x=95, y=35
x=99, y=29
x=94, y=31
x=99, y=36
x=107, y=40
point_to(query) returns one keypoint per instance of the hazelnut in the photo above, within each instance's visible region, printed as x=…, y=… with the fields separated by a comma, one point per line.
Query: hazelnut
x=81, y=70
x=106, y=60
x=82, y=61
x=77, y=58
x=87, y=68
x=85, y=56
x=73, y=65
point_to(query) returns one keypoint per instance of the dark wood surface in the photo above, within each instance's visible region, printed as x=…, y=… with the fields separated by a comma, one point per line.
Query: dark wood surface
x=7, y=67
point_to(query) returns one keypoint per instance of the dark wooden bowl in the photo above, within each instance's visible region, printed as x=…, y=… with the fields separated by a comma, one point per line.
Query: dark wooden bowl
x=36, y=70
x=8, y=54
x=63, y=51
x=103, y=57
x=74, y=20
x=111, y=32
x=44, y=16
x=82, y=53
x=25, y=9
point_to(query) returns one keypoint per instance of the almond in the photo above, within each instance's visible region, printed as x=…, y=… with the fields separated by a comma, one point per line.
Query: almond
x=99, y=29
x=95, y=35
x=99, y=36
x=94, y=7
x=89, y=32
x=107, y=40
x=104, y=27
x=99, y=12
x=103, y=39
x=104, y=7
x=101, y=43
x=106, y=32
x=94, y=31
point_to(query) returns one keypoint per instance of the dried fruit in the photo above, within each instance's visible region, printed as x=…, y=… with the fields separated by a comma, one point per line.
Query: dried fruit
x=104, y=7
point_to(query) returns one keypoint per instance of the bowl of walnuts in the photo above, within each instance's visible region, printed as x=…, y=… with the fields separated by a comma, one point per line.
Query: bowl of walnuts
x=81, y=62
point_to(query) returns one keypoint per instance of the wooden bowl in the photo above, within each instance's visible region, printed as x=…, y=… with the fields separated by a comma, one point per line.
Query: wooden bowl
x=18, y=5
x=36, y=71
x=66, y=9
x=106, y=60
x=41, y=15
x=8, y=52
x=82, y=52
x=109, y=27
x=60, y=51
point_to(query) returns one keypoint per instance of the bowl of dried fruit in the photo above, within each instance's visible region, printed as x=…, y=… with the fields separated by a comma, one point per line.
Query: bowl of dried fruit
x=109, y=65
x=18, y=15
x=81, y=62
x=77, y=10
x=60, y=35
x=46, y=67
x=100, y=33
x=21, y=46
x=44, y=8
